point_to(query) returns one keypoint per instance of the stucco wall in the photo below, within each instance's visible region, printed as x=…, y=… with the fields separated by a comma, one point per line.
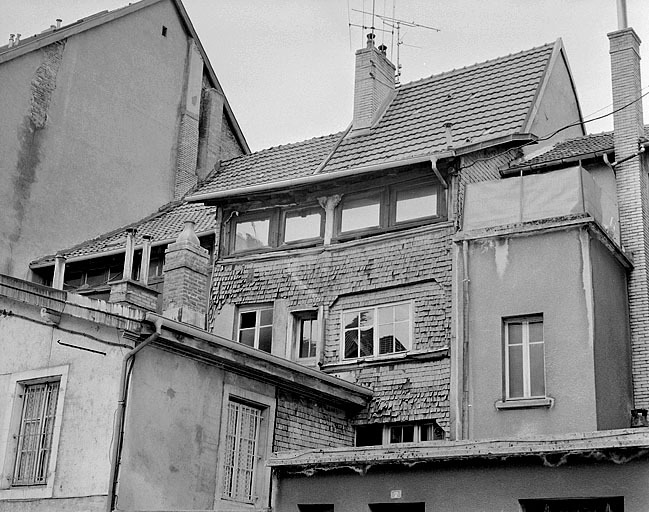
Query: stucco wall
x=544, y=274
x=558, y=108
x=466, y=487
x=80, y=481
x=612, y=341
x=107, y=146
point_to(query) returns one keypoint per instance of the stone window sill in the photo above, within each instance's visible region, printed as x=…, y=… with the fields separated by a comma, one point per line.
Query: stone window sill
x=525, y=403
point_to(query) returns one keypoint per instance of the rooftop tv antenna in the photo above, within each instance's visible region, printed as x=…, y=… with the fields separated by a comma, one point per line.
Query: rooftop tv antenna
x=395, y=24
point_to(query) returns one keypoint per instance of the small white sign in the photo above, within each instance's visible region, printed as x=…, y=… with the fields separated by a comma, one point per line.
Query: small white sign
x=395, y=495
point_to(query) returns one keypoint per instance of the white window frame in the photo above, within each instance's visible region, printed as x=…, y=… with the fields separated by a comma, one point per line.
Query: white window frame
x=375, y=344
x=261, y=473
x=527, y=380
x=257, y=309
x=13, y=395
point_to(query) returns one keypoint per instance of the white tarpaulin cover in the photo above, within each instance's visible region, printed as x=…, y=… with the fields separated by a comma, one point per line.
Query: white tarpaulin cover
x=536, y=197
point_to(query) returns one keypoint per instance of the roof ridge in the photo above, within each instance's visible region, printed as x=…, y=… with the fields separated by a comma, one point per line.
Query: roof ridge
x=477, y=65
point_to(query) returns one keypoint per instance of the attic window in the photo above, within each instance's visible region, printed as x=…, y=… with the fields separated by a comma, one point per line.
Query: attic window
x=390, y=207
x=164, y=31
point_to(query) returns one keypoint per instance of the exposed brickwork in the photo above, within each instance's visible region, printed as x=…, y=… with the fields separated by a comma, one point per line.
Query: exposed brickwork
x=302, y=424
x=44, y=82
x=374, y=81
x=631, y=178
x=210, y=127
x=132, y=293
x=186, y=274
x=187, y=156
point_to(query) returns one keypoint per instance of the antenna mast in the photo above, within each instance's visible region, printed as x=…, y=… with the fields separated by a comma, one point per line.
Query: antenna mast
x=394, y=24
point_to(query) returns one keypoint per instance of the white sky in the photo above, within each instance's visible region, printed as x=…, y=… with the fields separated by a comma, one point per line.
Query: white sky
x=287, y=65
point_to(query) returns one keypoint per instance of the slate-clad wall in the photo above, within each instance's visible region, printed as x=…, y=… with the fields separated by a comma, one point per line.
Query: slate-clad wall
x=409, y=265
x=302, y=424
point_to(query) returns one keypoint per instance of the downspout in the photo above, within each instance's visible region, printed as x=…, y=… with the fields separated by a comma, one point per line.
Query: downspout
x=118, y=428
x=465, y=339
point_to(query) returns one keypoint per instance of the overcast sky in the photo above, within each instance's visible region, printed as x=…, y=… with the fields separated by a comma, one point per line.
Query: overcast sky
x=287, y=65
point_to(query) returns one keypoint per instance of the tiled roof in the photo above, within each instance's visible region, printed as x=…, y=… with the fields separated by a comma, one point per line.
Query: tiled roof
x=163, y=225
x=490, y=99
x=482, y=101
x=572, y=148
x=269, y=165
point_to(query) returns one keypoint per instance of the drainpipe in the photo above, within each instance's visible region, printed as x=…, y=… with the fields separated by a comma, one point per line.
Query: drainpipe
x=465, y=339
x=118, y=428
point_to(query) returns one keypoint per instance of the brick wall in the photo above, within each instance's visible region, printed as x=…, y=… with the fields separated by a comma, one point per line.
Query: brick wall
x=187, y=156
x=302, y=424
x=631, y=179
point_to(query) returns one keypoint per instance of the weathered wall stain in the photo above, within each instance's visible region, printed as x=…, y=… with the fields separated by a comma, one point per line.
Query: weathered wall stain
x=30, y=139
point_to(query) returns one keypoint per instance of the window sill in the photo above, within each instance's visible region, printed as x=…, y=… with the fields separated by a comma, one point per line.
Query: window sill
x=525, y=403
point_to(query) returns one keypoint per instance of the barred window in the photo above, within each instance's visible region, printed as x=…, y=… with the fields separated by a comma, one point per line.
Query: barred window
x=241, y=445
x=36, y=431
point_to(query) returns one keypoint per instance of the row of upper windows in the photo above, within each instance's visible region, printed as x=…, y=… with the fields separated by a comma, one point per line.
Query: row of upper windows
x=387, y=329
x=358, y=213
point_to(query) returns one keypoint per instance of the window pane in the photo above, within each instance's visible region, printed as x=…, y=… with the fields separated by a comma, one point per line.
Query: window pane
x=265, y=338
x=247, y=337
x=386, y=315
x=367, y=318
x=408, y=433
x=351, y=320
x=299, y=227
x=251, y=234
x=351, y=344
x=266, y=317
x=396, y=435
x=361, y=213
x=536, y=331
x=537, y=372
x=248, y=319
x=515, y=333
x=386, y=341
x=416, y=203
x=367, y=342
x=402, y=335
x=516, y=371
x=402, y=312
x=309, y=335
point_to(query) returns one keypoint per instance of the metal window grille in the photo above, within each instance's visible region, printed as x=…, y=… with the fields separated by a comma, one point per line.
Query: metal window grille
x=241, y=440
x=35, y=435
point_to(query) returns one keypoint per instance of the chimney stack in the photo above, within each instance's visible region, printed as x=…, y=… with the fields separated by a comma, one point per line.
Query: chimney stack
x=632, y=197
x=186, y=274
x=374, y=84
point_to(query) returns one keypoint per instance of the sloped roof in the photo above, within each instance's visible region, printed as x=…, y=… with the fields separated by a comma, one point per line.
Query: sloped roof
x=570, y=149
x=489, y=99
x=269, y=165
x=162, y=226
x=483, y=101
x=37, y=41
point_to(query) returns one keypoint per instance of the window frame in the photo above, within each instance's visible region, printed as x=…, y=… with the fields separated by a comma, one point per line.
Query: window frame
x=376, y=340
x=10, y=429
x=257, y=308
x=286, y=212
x=417, y=427
x=298, y=318
x=277, y=228
x=388, y=207
x=524, y=320
x=261, y=473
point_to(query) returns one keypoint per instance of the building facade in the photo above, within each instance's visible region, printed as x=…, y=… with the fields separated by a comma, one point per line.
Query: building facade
x=86, y=148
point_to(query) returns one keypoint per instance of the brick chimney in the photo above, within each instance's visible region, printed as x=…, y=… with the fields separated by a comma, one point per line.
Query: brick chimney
x=631, y=179
x=186, y=273
x=374, y=83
